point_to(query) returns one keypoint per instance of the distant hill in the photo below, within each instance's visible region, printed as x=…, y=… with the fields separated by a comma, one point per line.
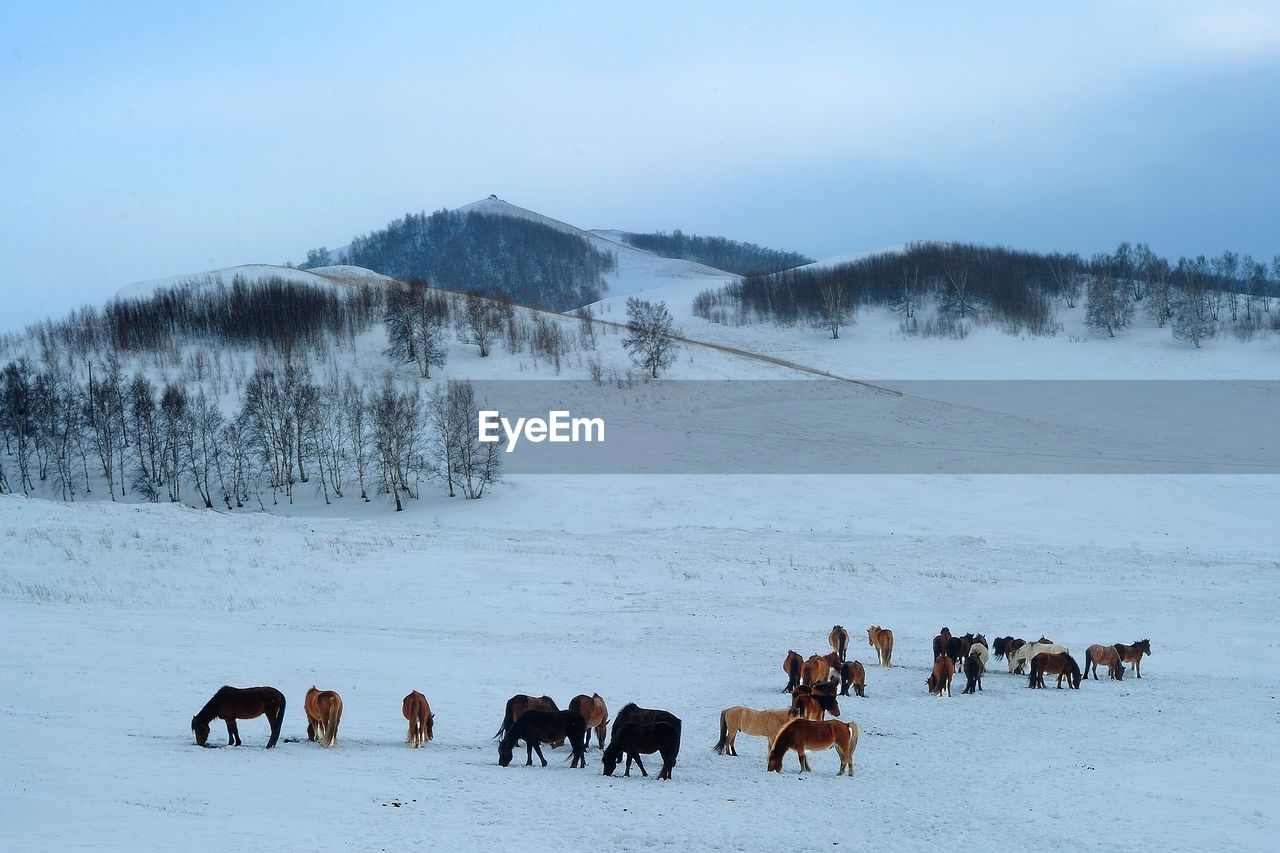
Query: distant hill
x=719, y=252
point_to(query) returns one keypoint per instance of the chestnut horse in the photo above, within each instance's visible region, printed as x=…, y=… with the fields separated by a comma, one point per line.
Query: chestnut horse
x=854, y=674
x=791, y=666
x=881, y=639
x=819, y=668
x=324, y=712
x=1025, y=653
x=1108, y=657
x=807, y=734
x=240, y=703
x=1133, y=654
x=636, y=739
x=418, y=713
x=838, y=639
x=748, y=721
x=522, y=702
x=536, y=727
x=944, y=669
x=594, y=712
x=1055, y=663
x=811, y=706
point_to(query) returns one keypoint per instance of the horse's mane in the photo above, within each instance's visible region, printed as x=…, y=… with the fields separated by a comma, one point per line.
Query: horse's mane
x=781, y=745
x=629, y=706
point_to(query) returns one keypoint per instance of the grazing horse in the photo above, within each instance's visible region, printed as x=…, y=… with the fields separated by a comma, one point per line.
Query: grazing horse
x=791, y=666
x=324, y=712
x=944, y=669
x=748, y=721
x=1133, y=654
x=1108, y=657
x=594, y=712
x=536, y=727
x=854, y=674
x=418, y=713
x=881, y=639
x=807, y=734
x=633, y=713
x=1025, y=653
x=839, y=641
x=636, y=739
x=819, y=668
x=974, y=667
x=811, y=706
x=1005, y=647
x=1059, y=663
x=240, y=703
x=519, y=704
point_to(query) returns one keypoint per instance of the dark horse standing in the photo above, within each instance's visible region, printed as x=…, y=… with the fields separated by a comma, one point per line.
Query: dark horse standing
x=635, y=739
x=633, y=713
x=536, y=727
x=240, y=703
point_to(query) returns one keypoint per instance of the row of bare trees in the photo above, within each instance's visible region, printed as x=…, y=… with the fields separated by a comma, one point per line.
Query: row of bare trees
x=123, y=434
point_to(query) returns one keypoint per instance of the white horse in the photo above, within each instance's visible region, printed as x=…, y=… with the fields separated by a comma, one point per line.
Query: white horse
x=1030, y=650
x=981, y=651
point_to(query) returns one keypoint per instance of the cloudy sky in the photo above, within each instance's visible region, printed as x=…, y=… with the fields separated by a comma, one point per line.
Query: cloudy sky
x=146, y=139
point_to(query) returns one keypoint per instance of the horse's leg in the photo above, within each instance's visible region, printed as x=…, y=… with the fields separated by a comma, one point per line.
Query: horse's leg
x=537, y=747
x=639, y=764
x=528, y=753
x=627, y=770
x=311, y=729
x=233, y=732
x=1137, y=666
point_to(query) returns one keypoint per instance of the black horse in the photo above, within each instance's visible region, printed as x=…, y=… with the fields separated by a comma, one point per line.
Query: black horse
x=972, y=673
x=240, y=703
x=636, y=739
x=537, y=727
x=633, y=713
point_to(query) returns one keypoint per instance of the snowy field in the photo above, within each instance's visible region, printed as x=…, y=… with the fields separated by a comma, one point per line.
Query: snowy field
x=679, y=593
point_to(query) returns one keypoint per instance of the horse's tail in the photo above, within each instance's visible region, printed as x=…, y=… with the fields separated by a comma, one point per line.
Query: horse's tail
x=793, y=670
x=888, y=649
x=431, y=718
x=506, y=722
x=724, y=733
x=277, y=724
x=331, y=721
x=844, y=644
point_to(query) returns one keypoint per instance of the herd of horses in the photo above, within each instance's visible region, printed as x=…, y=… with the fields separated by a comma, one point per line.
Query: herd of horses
x=815, y=684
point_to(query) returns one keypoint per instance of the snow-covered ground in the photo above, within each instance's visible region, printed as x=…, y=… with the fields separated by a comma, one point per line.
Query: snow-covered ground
x=680, y=593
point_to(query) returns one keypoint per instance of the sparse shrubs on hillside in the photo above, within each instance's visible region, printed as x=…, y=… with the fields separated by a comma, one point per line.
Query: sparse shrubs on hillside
x=1108, y=306
x=719, y=252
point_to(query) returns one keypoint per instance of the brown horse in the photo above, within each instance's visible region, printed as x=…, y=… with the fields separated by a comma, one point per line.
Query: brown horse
x=1133, y=654
x=838, y=639
x=854, y=674
x=418, y=713
x=1108, y=657
x=881, y=639
x=811, y=706
x=1006, y=647
x=240, y=703
x=536, y=727
x=791, y=666
x=324, y=712
x=819, y=668
x=522, y=702
x=974, y=667
x=940, y=643
x=748, y=721
x=636, y=739
x=944, y=669
x=1055, y=663
x=807, y=734
x=594, y=712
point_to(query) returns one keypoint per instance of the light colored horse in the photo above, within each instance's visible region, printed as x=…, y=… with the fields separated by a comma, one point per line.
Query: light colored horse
x=838, y=639
x=748, y=721
x=808, y=734
x=881, y=639
x=324, y=712
x=1108, y=657
x=1027, y=653
x=981, y=651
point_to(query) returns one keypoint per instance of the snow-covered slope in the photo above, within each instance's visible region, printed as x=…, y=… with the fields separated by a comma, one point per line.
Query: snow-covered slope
x=319, y=277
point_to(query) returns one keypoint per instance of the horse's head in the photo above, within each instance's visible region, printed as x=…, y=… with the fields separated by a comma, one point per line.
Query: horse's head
x=609, y=761
x=201, y=731
x=1075, y=678
x=505, y=748
x=1119, y=672
x=1143, y=646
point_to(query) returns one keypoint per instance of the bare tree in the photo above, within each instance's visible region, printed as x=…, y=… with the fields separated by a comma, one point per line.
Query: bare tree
x=650, y=335
x=833, y=306
x=458, y=456
x=481, y=323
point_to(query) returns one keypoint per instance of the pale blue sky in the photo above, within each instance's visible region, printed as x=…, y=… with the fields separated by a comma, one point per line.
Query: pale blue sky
x=148, y=139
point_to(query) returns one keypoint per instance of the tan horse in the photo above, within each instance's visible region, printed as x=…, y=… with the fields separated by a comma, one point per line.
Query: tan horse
x=881, y=639
x=324, y=712
x=853, y=674
x=421, y=720
x=1133, y=654
x=944, y=669
x=979, y=647
x=749, y=721
x=807, y=734
x=595, y=712
x=1108, y=657
x=838, y=639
